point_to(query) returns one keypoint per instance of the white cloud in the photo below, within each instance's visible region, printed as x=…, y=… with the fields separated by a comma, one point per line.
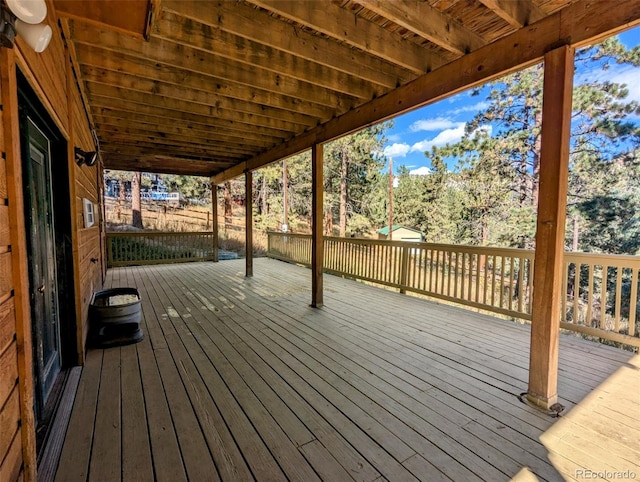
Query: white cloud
x=397, y=150
x=447, y=136
x=435, y=124
x=470, y=108
x=628, y=75
x=421, y=171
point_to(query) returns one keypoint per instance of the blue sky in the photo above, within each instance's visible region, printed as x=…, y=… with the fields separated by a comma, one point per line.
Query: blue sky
x=444, y=122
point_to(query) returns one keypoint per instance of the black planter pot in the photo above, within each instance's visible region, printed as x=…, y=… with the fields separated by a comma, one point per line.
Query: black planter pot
x=114, y=317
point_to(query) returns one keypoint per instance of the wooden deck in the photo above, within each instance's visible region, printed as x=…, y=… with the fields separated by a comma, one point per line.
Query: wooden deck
x=239, y=379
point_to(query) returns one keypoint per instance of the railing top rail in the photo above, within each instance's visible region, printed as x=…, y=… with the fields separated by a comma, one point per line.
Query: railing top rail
x=291, y=235
x=628, y=260
x=593, y=258
x=156, y=233
x=460, y=248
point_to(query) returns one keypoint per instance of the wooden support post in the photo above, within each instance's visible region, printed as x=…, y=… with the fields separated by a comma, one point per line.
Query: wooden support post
x=214, y=219
x=317, y=211
x=248, y=205
x=552, y=202
x=20, y=278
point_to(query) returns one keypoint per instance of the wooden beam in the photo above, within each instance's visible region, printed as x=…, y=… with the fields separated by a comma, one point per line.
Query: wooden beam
x=114, y=135
x=248, y=206
x=134, y=86
x=94, y=58
x=341, y=24
x=162, y=165
x=214, y=219
x=127, y=16
x=189, y=59
x=138, y=150
x=245, y=21
x=217, y=111
x=146, y=126
x=428, y=22
x=518, y=14
x=317, y=212
x=127, y=145
x=20, y=279
x=187, y=33
x=195, y=88
x=548, y=280
x=131, y=110
x=581, y=23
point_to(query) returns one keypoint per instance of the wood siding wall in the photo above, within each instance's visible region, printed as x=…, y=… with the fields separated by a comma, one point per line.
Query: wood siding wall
x=50, y=76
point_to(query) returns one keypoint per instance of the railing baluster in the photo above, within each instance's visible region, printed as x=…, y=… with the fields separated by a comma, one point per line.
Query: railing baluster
x=576, y=292
x=511, y=286
x=591, y=269
x=633, y=303
x=502, y=268
x=616, y=321
x=603, y=295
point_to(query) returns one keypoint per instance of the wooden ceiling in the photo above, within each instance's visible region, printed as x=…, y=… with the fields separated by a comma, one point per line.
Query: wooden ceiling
x=216, y=87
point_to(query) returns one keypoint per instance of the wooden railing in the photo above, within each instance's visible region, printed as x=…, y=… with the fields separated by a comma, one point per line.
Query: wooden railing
x=497, y=280
x=602, y=296
x=130, y=249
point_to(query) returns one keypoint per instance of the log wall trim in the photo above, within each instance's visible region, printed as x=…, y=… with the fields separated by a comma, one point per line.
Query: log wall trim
x=20, y=281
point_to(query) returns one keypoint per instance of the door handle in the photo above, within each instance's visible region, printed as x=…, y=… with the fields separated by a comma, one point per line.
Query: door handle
x=41, y=289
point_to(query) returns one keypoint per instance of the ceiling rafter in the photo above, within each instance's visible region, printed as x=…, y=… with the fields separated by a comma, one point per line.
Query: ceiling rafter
x=428, y=22
x=160, y=164
x=103, y=104
x=95, y=58
x=149, y=99
x=518, y=14
x=133, y=84
x=338, y=23
x=245, y=21
x=195, y=35
x=143, y=138
x=154, y=124
x=199, y=61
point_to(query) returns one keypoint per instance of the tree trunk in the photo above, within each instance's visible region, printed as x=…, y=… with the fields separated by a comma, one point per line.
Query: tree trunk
x=263, y=196
x=136, y=211
x=227, y=206
x=328, y=222
x=576, y=234
x=535, y=181
x=343, y=194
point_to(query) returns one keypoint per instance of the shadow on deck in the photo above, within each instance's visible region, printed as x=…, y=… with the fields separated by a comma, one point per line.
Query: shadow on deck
x=239, y=379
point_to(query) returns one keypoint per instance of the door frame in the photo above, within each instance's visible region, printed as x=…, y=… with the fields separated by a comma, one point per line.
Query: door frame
x=30, y=105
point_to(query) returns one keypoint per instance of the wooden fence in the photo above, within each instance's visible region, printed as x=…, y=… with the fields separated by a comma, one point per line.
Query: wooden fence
x=601, y=297
x=130, y=249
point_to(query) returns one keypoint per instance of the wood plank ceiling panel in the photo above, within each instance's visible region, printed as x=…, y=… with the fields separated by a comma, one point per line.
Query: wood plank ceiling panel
x=217, y=84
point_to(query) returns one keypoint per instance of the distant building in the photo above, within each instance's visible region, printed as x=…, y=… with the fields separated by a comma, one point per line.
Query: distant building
x=401, y=233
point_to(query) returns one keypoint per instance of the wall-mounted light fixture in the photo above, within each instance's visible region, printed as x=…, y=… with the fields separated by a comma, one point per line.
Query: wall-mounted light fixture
x=24, y=17
x=88, y=158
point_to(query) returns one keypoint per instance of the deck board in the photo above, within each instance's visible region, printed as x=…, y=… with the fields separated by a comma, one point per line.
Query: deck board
x=239, y=379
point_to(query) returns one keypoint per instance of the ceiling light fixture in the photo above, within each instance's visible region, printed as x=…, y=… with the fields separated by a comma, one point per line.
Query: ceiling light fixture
x=24, y=17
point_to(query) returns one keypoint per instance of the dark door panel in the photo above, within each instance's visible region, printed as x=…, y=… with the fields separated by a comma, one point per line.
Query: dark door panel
x=42, y=261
